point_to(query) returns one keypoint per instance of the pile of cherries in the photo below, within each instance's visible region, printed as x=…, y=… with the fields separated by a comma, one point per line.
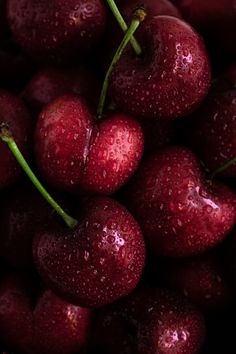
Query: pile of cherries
x=134, y=249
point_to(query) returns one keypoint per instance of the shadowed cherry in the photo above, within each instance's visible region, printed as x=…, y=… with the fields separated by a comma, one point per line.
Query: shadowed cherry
x=38, y=321
x=57, y=30
x=13, y=114
x=147, y=322
x=179, y=211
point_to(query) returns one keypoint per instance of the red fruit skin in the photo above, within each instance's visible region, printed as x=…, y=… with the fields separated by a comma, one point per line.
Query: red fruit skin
x=22, y=210
x=48, y=325
x=180, y=213
x=148, y=322
x=16, y=313
x=14, y=114
x=50, y=83
x=78, y=155
x=212, y=135
x=114, y=153
x=171, y=79
x=202, y=280
x=61, y=328
x=56, y=30
x=62, y=140
x=216, y=20
x=99, y=261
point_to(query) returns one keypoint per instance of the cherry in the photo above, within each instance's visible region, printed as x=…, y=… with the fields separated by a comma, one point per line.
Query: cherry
x=22, y=211
x=76, y=154
x=14, y=114
x=56, y=30
x=202, y=280
x=98, y=261
x=180, y=213
x=212, y=134
x=40, y=323
x=216, y=20
x=147, y=322
x=50, y=83
x=174, y=63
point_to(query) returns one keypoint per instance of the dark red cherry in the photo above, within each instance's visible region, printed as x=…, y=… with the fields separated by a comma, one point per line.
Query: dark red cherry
x=96, y=263
x=202, y=280
x=170, y=79
x=14, y=114
x=3, y=21
x=212, y=134
x=180, y=212
x=56, y=29
x=50, y=83
x=77, y=154
x=216, y=20
x=40, y=323
x=148, y=322
x=23, y=210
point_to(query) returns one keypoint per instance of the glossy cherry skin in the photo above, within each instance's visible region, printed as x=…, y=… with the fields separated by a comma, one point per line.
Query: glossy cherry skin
x=50, y=83
x=180, y=213
x=76, y=154
x=147, y=322
x=170, y=79
x=43, y=324
x=22, y=211
x=99, y=261
x=202, y=280
x=216, y=20
x=212, y=135
x=57, y=29
x=14, y=114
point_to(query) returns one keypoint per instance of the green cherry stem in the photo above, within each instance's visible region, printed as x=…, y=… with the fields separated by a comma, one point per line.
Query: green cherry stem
x=223, y=167
x=6, y=137
x=139, y=16
x=124, y=26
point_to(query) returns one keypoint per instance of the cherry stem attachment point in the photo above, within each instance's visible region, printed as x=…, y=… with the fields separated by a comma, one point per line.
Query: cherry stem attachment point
x=124, y=26
x=6, y=137
x=223, y=167
x=139, y=16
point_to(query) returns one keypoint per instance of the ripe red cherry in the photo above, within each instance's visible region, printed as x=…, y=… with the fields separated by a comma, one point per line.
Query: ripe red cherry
x=76, y=154
x=14, y=114
x=3, y=22
x=22, y=211
x=170, y=79
x=96, y=263
x=148, y=322
x=180, y=212
x=216, y=20
x=40, y=323
x=56, y=29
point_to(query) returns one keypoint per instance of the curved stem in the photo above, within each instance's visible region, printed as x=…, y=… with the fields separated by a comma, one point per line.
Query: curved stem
x=223, y=167
x=8, y=139
x=134, y=25
x=124, y=26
